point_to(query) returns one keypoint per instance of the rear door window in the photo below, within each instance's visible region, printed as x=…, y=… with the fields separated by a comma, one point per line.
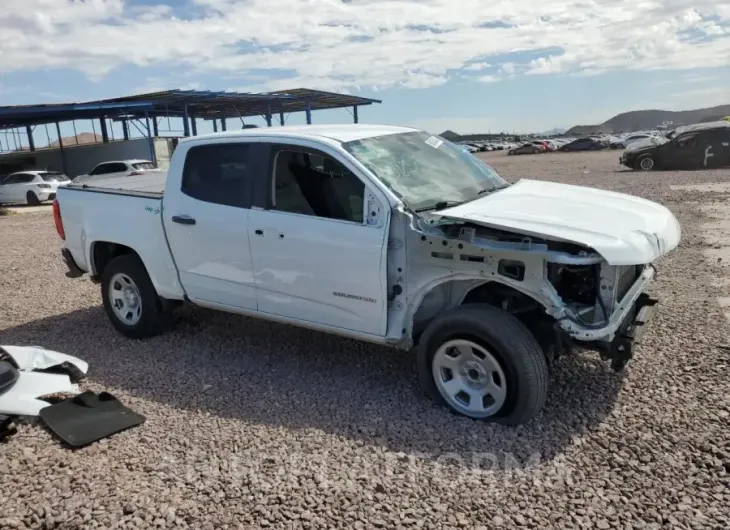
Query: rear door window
x=220, y=174
x=101, y=169
x=51, y=177
x=117, y=167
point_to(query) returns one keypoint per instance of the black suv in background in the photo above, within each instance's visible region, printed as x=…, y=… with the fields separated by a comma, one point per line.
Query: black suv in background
x=699, y=146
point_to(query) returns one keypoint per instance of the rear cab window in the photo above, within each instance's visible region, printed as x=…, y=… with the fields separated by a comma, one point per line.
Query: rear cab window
x=144, y=165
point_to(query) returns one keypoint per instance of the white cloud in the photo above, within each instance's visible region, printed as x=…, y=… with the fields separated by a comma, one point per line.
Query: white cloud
x=489, y=79
x=369, y=43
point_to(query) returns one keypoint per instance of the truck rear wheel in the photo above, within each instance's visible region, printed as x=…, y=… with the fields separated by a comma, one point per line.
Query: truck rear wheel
x=130, y=300
x=483, y=363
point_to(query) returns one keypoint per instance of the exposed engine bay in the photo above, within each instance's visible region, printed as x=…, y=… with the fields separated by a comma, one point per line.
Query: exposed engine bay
x=563, y=292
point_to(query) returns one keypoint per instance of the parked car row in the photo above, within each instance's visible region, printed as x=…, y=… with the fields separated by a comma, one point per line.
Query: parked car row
x=565, y=145
x=33, y=187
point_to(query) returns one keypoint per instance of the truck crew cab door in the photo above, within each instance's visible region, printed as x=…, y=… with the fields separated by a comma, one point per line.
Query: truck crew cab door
x=319, y=240
x=206, y=216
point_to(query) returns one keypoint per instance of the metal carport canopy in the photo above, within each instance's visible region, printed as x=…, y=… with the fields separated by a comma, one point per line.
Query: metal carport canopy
x=183, y=103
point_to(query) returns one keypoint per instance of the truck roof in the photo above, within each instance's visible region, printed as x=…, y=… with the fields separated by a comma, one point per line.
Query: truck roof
x=338, y=132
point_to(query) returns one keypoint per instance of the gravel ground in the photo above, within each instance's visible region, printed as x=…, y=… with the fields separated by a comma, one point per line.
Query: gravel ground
x=252, y=424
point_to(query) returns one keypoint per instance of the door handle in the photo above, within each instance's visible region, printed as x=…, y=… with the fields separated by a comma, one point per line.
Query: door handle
x=259, y=232
x=183, y=219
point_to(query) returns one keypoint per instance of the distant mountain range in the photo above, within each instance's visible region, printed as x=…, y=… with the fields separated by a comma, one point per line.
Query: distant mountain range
x=641, y=120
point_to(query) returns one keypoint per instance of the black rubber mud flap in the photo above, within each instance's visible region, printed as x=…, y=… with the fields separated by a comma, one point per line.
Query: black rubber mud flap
x=89, y=417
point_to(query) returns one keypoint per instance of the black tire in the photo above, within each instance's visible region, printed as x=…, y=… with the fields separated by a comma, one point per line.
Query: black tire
x=639, y=165
x=565, y=149
x=511, y=152
x=32, y=199
x=515, y=347
x=155, y=315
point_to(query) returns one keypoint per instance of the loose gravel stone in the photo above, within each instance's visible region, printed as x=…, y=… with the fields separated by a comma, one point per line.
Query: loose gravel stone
x=252, y=424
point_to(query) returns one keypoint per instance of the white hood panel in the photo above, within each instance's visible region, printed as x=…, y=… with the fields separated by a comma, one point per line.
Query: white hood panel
x=624, y=229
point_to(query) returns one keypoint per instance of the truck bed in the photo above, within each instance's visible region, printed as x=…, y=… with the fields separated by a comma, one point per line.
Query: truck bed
x=151, y=185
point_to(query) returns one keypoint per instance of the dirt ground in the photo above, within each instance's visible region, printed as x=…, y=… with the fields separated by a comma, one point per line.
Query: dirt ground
x=258, y=425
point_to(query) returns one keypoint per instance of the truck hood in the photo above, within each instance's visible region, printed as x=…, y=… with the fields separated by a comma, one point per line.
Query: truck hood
x=623, y=229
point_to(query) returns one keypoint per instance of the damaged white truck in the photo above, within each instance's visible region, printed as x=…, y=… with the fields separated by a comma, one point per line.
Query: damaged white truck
x=379, y=233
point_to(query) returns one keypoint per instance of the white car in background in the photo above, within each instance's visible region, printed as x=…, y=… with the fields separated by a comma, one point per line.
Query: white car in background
x=118, y=168
x=624, y=142
x=31, y=187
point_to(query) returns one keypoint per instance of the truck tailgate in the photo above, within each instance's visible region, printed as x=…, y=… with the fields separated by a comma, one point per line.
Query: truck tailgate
x=93, y=215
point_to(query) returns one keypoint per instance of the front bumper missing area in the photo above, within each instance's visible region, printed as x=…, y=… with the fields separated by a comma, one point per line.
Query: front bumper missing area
x=621, y=349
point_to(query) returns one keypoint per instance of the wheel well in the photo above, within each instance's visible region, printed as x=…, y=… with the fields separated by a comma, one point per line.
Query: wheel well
x=501, y=296
x=455, y=293
x=103, y=252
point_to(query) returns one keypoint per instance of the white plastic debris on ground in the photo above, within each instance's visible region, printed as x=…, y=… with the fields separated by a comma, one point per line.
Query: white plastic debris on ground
x=23, y=397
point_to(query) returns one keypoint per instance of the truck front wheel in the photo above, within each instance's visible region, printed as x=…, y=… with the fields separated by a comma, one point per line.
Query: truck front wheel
x=483, y=363
x=130, y=300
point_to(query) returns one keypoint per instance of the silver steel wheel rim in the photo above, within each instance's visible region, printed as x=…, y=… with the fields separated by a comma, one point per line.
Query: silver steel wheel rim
x=469, y=378
x=647, y=163
x=125, y=299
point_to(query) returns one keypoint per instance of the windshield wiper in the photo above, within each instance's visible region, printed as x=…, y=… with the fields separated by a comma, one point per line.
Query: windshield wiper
x=438, y=206
x=490, y=190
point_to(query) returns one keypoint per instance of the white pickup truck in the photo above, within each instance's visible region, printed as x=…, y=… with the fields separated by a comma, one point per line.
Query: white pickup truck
x=384, y=234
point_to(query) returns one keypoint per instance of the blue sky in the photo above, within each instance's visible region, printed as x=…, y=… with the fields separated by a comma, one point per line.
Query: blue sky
x=434, y=65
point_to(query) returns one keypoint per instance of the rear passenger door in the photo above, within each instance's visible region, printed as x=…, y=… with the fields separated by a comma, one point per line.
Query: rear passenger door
x=207, y=224
x=318, y=238
x=715, y=148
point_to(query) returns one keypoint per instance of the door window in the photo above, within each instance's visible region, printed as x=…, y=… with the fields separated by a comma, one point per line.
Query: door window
x=100, y=169
x=687, y=141
x=220, y=174
x=312, y=183
x=117, y=167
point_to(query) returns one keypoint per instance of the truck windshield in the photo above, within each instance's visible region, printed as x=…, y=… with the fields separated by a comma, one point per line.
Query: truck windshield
x=425, y=170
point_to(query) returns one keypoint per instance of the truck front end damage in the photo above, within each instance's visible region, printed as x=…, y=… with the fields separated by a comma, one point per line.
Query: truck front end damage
x=567, y=294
